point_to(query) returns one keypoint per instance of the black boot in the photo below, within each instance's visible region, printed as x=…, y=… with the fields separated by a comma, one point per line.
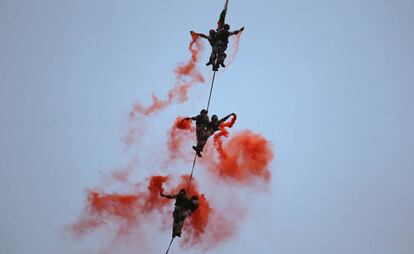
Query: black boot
x=198, y=151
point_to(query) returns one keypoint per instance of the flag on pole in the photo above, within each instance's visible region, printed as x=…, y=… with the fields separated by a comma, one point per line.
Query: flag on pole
x=223, y=13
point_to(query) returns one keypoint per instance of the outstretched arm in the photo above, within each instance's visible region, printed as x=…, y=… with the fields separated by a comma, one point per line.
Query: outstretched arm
x=226, y=117
x=200, y=34
x=190, y=118
x=204, y=36
x=168, y=196
x=236, y=32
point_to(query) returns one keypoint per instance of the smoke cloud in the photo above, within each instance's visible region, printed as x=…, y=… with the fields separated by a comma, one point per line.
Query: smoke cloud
x=242, y=158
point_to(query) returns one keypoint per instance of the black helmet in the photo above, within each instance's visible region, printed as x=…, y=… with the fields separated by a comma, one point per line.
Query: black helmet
x=214, y=118
x=227, y=26
x=182, y=191
x=212, y=32
x=203, y=112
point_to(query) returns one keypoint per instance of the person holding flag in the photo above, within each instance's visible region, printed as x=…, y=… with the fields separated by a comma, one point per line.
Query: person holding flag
x=219, y=40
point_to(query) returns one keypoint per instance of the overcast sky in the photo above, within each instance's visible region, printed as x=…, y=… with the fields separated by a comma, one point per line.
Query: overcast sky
x=329, y=83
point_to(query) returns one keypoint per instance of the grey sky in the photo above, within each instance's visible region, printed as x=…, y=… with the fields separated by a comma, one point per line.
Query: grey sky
x=329, y=83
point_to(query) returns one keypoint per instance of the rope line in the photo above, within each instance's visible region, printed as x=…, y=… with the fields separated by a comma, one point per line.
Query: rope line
x=195, y=155
x=211, y=90
x=192, y=170
x=172, y=239
x=208, y=106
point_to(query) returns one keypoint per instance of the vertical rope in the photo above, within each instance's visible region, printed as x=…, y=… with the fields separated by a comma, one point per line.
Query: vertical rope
x=211, y=90
x=208, y=106
x=192, y=170
x=172, y=239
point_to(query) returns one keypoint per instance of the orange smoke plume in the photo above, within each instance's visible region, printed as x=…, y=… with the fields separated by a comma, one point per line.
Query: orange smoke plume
x=155, y=187
x=129, y=211
x=181, y=131
x=186, y=76
x=244, y=156
x=235, y=49
x=223, y=132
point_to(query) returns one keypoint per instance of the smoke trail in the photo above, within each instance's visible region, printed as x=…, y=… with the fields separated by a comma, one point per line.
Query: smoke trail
x=130, y=210
x=244, y=157
x=186, y=76
x=241, y=158
x=125, y=209
x=223, y=132
x=234, y=49
x=182, y=131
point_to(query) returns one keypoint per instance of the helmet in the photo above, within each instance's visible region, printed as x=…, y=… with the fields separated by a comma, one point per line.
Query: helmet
x=227, y=26
x=182, y=191
x=212, y=32
x=203, y=112
x=214, y=118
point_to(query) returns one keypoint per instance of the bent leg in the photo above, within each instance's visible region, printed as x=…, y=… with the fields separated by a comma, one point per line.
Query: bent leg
x=220, y=59
x=212, y=58
x=179, y=217
x=204, y=135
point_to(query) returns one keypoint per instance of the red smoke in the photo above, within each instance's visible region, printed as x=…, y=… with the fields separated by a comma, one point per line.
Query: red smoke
x=235, y=48
x=186, y=76
x=181, y=132
x=127, y=211
x=244, y=156
x=155, y=186
x=223, y=132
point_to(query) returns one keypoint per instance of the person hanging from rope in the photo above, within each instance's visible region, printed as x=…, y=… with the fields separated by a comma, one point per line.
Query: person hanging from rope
x=184, y=207
x=219, y=39
x=212, y=39
x=215, y=123
x=211, y=128
x=223, y=34
x=202, y=121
